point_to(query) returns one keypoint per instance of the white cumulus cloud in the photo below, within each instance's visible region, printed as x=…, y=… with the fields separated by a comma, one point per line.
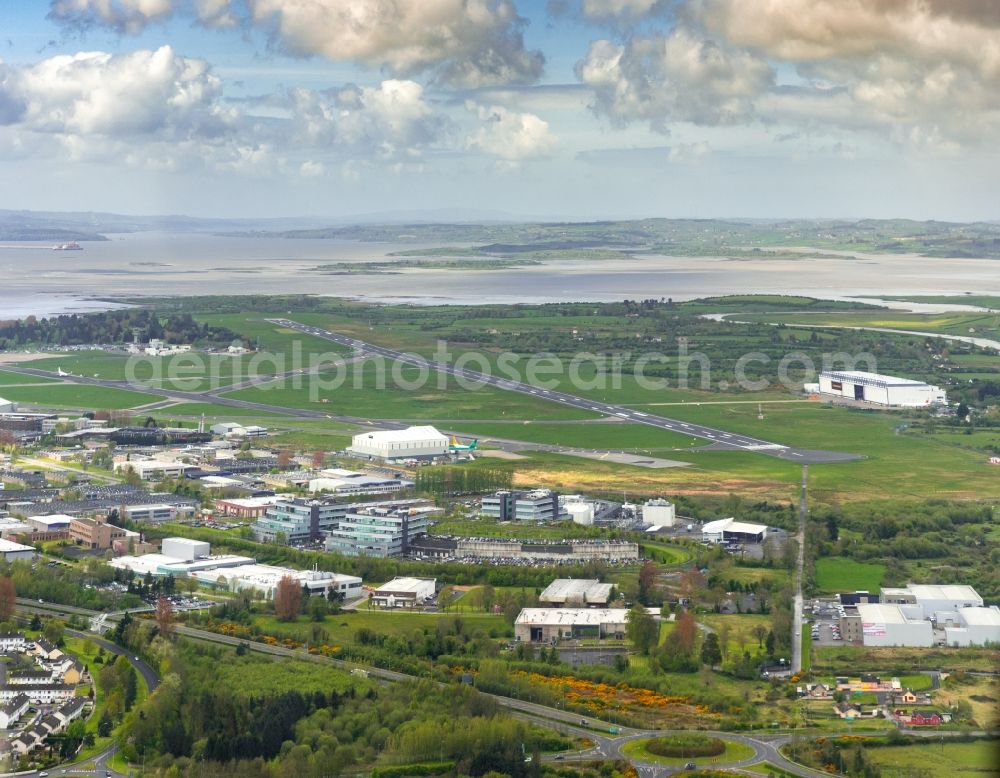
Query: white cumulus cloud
x=680, y=76
x=510, y=135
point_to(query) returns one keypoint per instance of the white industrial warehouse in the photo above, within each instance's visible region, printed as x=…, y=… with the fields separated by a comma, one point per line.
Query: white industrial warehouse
x=889, y=625
x=880, y=389
x=536, y=625
x=726, y=530
x=411, y=443
x=181, y=557
x=576, y=592
x=923, y=615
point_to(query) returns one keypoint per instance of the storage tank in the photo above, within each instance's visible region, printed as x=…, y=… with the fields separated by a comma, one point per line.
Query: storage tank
x=581, y=512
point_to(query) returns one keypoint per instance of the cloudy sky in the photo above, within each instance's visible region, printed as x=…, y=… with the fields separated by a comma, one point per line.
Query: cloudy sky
x=560, y=109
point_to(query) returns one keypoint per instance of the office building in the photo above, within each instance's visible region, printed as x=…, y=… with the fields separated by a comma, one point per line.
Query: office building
x=377, y=531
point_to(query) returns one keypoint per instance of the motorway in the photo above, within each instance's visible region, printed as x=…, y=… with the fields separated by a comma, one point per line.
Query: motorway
x=608, y=738
x=720, y=438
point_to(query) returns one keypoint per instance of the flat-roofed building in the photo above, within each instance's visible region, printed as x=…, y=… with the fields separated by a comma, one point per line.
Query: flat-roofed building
x=933, y=598
x=265, y=579
x=404, y=592
x=549, y=625
x=726, y=530
x=153, y=469
x=976, y=627
x=55, y=522
x=298, y=520
x=95, y=534
x=379, y=532
x=12, y=551
x=185, y=549
x=576, y=592
x=890, y=625
x=247, y=507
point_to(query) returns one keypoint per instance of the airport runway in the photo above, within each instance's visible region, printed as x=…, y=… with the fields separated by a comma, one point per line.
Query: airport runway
x=721, y=438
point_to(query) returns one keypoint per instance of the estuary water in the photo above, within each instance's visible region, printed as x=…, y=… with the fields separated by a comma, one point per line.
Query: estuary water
x=37, y=280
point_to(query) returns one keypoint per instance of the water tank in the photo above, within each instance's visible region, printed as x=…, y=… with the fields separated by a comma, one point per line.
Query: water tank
x=581, y=512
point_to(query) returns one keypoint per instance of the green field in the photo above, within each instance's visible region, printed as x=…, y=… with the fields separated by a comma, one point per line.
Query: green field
x=81, y=396
x=953, y=323
x=598, y=435
x=839, y=574
x=13, y=379
x=378, y=392
x=938, y=758
x=914, y=465
x=341, y=628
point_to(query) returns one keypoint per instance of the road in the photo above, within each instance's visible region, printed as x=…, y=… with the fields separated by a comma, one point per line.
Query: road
x=721, y=438
x=607, y=744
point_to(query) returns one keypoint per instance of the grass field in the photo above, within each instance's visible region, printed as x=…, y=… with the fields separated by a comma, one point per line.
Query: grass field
x=950, y=323
x=981, y=758
x=735, y=752
x=341, y=628
x=832, y=660
x=14, y=379
x=79, y=396
x=839, y=574
x=891, y=463
x=598, y=435
x=379, y=392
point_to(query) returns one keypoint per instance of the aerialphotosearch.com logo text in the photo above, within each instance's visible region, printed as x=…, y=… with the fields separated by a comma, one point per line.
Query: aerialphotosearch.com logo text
x=324, y=373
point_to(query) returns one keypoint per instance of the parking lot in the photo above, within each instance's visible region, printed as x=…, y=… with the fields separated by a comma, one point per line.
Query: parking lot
x=823, y=617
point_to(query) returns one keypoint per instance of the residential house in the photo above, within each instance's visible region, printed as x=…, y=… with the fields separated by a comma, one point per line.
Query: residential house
x=23, y=744
x=71, y=710
x=12, y=710
x=11, y=642
x=847, y=710
x=46, y=650
x=39, y=693
x=51, y=723
x=925, y=718
x=25, y=677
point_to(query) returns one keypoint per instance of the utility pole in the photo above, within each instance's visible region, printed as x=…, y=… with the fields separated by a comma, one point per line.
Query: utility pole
x=799, y=564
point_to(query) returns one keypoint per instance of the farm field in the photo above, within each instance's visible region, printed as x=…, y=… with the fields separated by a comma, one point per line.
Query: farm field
x=831, y=660
x=840, y=574
x=981, y=758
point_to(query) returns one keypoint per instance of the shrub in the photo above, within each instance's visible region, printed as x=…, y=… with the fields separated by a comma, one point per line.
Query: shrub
x=691, y=744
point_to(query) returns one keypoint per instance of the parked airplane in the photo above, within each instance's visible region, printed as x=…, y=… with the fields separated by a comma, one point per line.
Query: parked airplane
x=456, y=446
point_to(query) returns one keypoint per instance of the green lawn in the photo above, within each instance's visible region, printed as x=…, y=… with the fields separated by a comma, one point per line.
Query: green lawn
x=936, y=758
x=735, y=752
x=839, y=574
